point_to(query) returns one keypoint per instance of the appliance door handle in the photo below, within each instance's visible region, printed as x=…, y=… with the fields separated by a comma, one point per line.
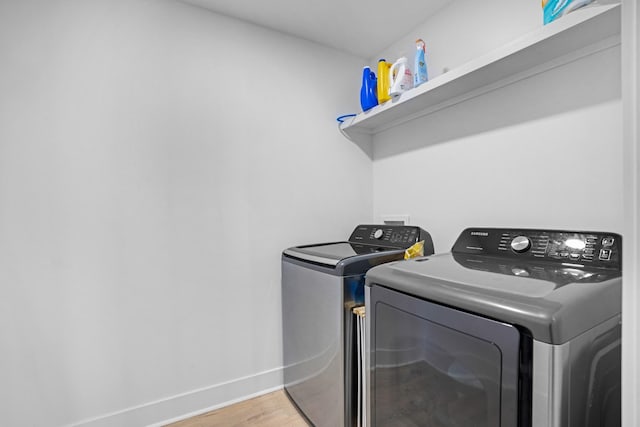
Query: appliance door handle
x=312, y=258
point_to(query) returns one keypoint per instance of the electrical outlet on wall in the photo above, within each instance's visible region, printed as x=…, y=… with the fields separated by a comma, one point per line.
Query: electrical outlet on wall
x=395, y=219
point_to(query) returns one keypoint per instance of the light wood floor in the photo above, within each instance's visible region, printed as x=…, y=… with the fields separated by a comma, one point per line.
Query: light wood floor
x=270, y=410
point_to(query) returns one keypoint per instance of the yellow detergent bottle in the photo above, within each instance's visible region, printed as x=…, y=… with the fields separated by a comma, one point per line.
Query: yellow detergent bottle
x=383, y=81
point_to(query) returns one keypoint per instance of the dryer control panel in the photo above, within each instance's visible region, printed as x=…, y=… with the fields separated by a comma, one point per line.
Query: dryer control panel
x=579, y=248
x=396, y=236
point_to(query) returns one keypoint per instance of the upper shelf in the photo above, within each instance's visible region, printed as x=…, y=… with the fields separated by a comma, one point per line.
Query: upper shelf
x=577, y=34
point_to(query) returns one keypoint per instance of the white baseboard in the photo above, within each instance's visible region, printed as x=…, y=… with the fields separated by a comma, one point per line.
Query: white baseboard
x=189, y=404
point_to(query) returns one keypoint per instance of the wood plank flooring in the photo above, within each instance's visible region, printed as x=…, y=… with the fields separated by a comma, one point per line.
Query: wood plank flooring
x=270, y=410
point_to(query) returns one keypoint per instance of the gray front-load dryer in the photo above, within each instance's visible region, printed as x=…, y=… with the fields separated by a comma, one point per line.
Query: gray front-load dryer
x=513, y=327
x=321, y=283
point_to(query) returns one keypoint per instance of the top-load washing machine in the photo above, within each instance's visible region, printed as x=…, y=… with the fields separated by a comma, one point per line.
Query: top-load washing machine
x=321, y=283
x=513, y=327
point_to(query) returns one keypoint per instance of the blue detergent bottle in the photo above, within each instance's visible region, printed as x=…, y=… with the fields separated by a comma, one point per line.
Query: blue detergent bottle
x=368, y=97
x=420, y=67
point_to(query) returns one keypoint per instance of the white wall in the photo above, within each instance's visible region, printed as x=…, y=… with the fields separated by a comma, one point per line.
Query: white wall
x=544, y=152
x=154, y=161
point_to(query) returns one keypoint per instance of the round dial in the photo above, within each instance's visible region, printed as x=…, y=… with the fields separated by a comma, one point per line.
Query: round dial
x=520, y=244
x=378, y=233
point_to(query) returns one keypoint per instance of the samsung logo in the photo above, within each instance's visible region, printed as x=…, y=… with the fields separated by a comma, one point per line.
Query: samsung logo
x=479, y=233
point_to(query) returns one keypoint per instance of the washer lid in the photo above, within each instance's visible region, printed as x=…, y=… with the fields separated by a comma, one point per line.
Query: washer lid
x=331, y=254
x=554, y=302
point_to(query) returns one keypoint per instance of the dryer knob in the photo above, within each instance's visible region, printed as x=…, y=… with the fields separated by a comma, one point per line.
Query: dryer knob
x=520, y=244
x=378, y=233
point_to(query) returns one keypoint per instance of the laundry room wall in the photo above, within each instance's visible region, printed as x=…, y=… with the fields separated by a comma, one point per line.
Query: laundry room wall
x=155, y=159
x=542, y=152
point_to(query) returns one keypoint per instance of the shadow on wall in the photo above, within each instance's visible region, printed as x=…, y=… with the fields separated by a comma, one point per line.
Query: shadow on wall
x=588, y=81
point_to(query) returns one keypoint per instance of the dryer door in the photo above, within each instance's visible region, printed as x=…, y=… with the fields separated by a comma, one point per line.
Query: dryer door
x=430, y=365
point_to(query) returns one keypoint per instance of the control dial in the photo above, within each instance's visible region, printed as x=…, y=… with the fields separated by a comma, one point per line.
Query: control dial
x=520, y=244
x=378, y=233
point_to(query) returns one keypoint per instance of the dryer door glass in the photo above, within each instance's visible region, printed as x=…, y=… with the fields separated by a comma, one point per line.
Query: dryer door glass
x=435, y=366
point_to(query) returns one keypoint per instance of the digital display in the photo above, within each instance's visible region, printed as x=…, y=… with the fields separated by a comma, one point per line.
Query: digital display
x=575, y=244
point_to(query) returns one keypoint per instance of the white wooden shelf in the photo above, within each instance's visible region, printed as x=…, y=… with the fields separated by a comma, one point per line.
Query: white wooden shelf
x=580, y=33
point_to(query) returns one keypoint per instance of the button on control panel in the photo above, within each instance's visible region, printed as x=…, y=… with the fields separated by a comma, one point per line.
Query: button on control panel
x=608, y=241
x=605, y=254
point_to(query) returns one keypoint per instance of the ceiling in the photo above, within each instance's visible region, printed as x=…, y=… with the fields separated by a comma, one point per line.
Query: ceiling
x=360, y=27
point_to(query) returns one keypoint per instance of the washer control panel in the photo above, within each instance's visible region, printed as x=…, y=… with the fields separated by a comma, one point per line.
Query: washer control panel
x=397, y=236
x=597, y=249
